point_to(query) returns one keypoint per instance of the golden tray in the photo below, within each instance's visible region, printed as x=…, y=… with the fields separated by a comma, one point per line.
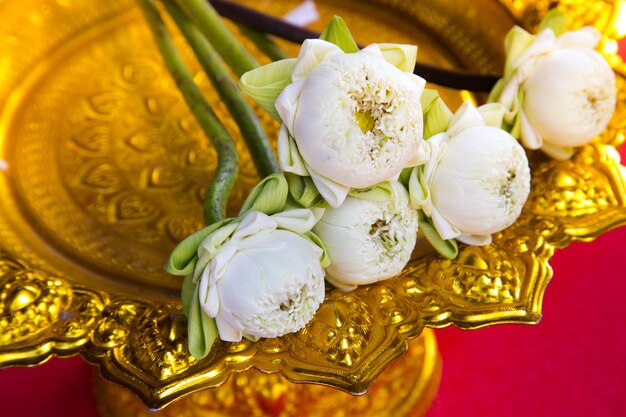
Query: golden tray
x=102, y=170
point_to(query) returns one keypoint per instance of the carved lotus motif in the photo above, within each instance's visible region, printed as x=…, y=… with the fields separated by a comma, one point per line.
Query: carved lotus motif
x=342, y=328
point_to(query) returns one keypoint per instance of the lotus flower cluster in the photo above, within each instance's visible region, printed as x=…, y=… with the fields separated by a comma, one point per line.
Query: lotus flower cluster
x=559, y=93
x=368, y=157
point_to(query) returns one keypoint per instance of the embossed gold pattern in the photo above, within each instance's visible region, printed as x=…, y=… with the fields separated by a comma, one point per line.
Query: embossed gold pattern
x=105, y=174
x=407, y=386
x=600, y=14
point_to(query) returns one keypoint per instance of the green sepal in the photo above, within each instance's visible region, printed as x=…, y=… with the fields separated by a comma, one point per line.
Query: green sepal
x=324, y=259
x=183, y=258
x=304, y=192
x=516, y=127
x=337, y=32
x=399, y=55
x=405, y=176
x=379, y=192
x=495, y=92
x=447, y=248
x=264, y=84
x=427, y=98
x=437, y=120
x=556, y=20
x=515, y=43
x=201, y=329
x=269, y=196
x=186, y=293
x=437, y=115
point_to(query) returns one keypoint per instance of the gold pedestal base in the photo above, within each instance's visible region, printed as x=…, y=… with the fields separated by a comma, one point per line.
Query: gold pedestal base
x=406, y=388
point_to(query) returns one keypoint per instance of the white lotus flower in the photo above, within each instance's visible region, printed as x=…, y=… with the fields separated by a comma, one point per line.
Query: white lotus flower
x=261, y=277
x=477, y=180
x=569, y=92
x=351, y=120
x=368, y=241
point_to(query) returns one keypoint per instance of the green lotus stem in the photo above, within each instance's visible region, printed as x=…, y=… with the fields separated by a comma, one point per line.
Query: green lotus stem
x=216, y=70
x=228, y=160
x=216, y=32
x=264, y=43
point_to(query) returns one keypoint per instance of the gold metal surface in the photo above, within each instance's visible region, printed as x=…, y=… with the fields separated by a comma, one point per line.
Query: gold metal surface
x=406, y=388
x=103, y=171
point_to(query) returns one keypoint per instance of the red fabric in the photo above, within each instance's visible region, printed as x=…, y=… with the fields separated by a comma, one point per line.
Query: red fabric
x=59, y=388
x=572, y=364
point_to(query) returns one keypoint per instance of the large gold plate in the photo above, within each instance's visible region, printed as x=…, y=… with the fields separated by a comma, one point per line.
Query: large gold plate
x=103, y=170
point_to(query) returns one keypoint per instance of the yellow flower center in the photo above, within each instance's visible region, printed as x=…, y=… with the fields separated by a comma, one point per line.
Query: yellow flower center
x=365, y=120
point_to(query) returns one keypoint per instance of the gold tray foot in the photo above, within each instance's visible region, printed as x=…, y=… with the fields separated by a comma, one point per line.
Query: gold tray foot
x=406, y=388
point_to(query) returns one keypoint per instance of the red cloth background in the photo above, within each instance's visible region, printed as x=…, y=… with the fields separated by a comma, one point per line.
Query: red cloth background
x=571, y=364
